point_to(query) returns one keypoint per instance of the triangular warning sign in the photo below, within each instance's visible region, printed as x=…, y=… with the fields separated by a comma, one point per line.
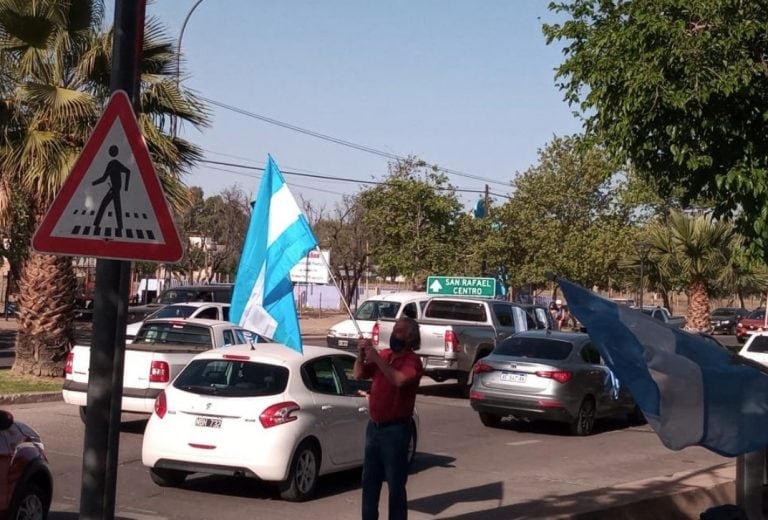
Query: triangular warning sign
x=112, y=204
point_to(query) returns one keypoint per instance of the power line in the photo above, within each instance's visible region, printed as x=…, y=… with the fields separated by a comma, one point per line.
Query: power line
x=343, y=142
x=321, y=176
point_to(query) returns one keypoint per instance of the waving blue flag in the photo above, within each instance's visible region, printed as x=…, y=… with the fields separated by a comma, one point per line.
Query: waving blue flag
x=691, y=390
x=278, y=237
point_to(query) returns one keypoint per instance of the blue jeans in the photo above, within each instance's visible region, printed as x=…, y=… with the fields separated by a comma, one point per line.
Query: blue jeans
x=386, y=459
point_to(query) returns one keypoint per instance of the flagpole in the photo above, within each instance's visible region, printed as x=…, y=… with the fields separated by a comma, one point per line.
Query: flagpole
x=343, y=300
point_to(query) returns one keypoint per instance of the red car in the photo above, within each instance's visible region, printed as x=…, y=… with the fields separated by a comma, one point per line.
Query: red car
x=752, y=322
x=26, y=484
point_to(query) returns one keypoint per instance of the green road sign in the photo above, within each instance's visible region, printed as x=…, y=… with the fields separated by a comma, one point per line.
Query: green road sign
x=461, y=286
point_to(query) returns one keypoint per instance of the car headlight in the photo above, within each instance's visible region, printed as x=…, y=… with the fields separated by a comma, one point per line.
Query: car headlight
x=331, y=332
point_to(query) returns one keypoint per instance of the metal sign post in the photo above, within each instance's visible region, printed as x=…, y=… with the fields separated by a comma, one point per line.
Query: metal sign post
x=105, y=386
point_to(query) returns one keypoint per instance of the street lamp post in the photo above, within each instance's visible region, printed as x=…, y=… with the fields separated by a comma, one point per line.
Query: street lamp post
x=178, y=56
x=642, y=248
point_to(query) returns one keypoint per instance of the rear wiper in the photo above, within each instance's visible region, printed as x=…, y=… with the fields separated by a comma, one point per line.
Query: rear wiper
x=212, y=390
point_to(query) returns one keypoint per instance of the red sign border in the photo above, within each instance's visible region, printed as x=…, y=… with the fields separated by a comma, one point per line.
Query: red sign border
x=118, y=107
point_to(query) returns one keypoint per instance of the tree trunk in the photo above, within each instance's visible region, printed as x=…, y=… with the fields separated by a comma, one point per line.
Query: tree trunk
x=698, y=310
x=46, y=315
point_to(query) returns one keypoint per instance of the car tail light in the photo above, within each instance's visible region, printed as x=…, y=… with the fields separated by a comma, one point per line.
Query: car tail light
x=70, y=363
x=561, y=376
x=235, y=356
x=161, y=404
x=279, y=413
x=375, y=334
x=482, y=367
x=548, y=403
x=451, y=342
x=159, y=372
x=477, y=396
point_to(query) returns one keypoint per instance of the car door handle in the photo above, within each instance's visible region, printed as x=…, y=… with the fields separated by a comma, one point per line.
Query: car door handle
x=363, y=409
x=326, y=407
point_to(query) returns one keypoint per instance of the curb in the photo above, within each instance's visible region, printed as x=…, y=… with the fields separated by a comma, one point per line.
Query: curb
x=32, y=397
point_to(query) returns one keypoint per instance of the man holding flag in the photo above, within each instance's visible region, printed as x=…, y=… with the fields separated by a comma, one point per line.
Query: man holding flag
x=278, y=237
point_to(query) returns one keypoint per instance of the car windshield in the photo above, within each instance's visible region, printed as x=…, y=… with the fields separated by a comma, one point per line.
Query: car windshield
x=376, y=309
x=539, y=348
x=758, y=314
x=173, y=311
x=723, y=312
x=232, y=378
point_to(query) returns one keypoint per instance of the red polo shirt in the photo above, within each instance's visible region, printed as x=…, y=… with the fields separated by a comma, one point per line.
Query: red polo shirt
x=388, y=402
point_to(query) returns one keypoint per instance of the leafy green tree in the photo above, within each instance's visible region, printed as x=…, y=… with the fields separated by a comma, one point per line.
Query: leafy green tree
x=412, y=218
x=55, y=62
x=680, y=91
x=563, y=216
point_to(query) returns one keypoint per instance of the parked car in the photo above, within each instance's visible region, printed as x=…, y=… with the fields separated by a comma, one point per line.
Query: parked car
x=25, y=479
x=386, y=307
x=663, y=315
x=541, y=316
x=725, y=319
x=556, y=376
x=751, y=323
x=756, y=348
x=203, y=310
x=271, y=414
x=219, y=292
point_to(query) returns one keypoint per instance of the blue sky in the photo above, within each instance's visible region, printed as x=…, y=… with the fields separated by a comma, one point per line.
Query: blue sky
x=467, y=85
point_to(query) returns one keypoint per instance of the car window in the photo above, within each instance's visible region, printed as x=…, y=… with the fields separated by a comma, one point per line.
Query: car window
x=590, y=355
x=173, y=311
x=240, y=337
x=321, y=377
x=180, y=333
x=232, y=378
x=456, y=310
x=530, y=347
x=411, y=311
x=225, y=313
x=229, y=337
x=757, y=314
x=503, y=315
x=211, y=313
x=345, y=367
x=759, y=344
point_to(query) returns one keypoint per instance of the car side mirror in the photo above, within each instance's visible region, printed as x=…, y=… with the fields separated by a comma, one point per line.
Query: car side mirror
x=6, y=420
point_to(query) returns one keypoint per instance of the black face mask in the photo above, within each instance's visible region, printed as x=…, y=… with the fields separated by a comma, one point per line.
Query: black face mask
x=396, y=344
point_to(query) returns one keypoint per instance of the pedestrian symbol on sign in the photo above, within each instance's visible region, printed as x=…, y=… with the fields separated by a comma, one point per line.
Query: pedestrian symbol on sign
x=114, y=172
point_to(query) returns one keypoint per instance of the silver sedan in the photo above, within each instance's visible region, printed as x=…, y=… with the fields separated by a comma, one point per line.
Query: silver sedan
x=547, y=375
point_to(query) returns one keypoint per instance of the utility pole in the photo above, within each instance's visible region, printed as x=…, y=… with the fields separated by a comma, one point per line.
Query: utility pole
x=105, y=387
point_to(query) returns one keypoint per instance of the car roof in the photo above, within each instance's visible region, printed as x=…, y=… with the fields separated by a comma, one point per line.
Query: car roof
x=194, y=321
x=400, y=296
x=195, y=304
x=274, y=352
x=574, y=337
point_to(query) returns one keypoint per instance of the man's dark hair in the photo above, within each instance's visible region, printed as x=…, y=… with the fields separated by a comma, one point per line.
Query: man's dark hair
x=412, y=334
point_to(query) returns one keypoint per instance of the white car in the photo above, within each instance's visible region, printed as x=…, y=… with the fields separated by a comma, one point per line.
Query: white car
x=756, y=347
x=204, y=310
x=389, y=306
x=268, y=413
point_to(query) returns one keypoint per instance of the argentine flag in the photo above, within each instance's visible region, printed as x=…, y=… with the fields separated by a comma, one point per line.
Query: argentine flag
x=691, y=390
x=278, y=237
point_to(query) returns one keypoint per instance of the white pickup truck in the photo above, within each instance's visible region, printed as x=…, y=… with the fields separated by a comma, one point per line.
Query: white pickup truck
x=456, y=332
x=162, y=347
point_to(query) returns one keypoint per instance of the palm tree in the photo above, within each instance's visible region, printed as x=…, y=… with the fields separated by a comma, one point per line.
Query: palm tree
x=698, y=251
x=54, y=81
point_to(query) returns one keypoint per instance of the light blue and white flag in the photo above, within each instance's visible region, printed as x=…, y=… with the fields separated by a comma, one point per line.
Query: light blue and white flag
x=278, y=237
x=691, y=390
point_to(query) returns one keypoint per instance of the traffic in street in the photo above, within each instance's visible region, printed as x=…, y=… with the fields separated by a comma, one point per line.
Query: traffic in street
x=462, y=469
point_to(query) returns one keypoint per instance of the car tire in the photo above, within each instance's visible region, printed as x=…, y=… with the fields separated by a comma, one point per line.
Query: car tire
x=303, y=475
x=584, y=421
x=164, y=477
x=732, y=330
x=412, y=443
x=82, y=411
x=490, y=420
x=30, y=504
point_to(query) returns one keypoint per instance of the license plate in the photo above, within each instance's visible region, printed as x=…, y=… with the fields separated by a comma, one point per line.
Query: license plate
x=343, y=343
x=208, y=422
x=513, y=377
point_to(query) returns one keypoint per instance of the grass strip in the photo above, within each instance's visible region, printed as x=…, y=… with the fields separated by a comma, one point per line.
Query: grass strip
x=11, y=383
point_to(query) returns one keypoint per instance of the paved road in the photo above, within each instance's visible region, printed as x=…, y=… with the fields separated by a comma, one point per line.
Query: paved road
x=463, y=470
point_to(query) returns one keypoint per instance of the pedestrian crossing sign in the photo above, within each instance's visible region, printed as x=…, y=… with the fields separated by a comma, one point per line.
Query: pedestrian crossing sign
x=112, y=204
